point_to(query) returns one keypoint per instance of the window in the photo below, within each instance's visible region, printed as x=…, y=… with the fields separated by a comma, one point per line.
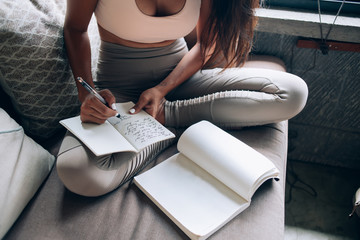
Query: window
x=326, y=6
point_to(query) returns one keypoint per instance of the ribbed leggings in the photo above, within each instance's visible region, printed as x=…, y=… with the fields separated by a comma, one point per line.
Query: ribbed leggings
x=232, y=98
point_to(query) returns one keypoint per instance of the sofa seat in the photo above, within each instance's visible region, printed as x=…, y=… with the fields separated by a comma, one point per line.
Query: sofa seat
x=126, y=213
x=32, y=31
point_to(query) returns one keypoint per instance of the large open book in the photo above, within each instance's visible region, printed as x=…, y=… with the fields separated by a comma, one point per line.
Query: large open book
x=129, y=133
x=209, y=182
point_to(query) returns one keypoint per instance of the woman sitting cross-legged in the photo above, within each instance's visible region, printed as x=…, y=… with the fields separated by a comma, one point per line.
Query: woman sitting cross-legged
x=144, y=58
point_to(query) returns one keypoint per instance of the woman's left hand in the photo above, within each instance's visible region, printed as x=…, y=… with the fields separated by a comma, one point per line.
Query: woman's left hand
x=152, y=101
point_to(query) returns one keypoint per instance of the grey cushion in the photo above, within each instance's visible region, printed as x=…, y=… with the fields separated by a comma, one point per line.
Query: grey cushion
x=127, y=213
x=24, y=165
x=34, y=69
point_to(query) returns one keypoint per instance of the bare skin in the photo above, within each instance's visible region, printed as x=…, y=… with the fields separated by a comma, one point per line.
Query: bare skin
x=152, y=100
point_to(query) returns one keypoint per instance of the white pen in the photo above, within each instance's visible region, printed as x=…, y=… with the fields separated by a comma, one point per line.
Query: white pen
x=95, y=93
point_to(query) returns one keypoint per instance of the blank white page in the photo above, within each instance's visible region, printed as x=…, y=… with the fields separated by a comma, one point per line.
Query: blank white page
x=99, y=138
x=225, y=157
x=196, y=201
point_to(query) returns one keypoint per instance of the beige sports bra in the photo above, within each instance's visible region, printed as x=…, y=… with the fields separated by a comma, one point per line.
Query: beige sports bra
x=124, y=19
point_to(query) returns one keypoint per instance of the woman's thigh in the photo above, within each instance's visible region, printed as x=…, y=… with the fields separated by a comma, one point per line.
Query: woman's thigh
x=259, y=80
x=236, y=97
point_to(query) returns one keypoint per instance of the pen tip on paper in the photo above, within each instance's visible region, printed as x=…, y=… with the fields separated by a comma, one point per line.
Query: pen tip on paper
x=113, y=106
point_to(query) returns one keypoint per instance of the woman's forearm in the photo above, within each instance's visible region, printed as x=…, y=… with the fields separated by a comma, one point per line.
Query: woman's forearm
x=188, y=66
x=79, y=55
x=192, y=61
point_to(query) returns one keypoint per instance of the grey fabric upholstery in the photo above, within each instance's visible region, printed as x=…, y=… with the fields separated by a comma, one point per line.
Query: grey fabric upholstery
x=127, y=213
x=34, y=69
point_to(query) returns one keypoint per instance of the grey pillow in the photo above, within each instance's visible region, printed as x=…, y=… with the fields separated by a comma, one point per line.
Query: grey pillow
x=34, y=69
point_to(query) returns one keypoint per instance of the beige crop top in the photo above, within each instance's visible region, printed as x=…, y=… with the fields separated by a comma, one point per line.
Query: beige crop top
x=124, y=19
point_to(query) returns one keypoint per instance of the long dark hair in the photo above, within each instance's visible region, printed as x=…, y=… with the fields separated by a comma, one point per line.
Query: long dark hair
x=230, y=29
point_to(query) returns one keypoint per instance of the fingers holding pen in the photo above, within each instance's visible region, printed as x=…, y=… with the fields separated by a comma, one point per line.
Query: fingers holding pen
x=95, y=107
x=92, y=110
x=109, y=98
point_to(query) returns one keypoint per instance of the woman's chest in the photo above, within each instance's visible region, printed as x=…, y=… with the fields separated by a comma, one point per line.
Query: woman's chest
x=160, y=8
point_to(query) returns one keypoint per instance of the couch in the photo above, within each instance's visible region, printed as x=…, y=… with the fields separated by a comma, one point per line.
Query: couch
x=37, y=90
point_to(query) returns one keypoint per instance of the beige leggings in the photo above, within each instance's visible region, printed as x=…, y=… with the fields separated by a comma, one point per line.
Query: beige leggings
x=232, y=98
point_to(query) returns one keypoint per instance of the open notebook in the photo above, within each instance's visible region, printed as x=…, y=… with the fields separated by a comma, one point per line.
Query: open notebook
x=209, y=182
x=130, y=133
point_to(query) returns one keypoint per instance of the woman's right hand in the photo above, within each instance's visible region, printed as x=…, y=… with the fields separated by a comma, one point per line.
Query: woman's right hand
x=94, y=111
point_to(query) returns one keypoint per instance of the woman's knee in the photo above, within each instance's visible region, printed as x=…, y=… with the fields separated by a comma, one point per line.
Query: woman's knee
x=286, y=92
x=290, y=89
x=79, y=173
x=295, y=94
